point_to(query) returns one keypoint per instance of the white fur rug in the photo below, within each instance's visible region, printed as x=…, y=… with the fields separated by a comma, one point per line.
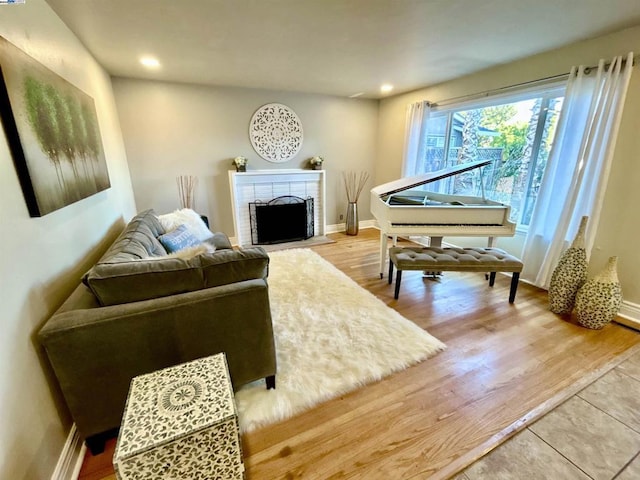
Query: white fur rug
x=332, y=336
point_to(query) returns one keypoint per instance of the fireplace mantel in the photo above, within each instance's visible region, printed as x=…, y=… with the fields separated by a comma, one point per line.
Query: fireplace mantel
x=265, y=185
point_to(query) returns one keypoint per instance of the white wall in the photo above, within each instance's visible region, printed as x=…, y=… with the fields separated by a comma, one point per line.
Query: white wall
x=43, y=258
x=175, y=129
x=619, y=228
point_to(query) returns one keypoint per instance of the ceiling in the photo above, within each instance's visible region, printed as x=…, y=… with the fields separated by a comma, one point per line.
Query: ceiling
x=335, y=47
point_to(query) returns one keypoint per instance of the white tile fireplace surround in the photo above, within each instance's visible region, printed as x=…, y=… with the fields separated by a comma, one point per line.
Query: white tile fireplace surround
x=265, y=185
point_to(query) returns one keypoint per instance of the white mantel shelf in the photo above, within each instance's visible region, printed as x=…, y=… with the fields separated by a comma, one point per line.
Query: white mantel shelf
x=272, y=171
x=265, y=185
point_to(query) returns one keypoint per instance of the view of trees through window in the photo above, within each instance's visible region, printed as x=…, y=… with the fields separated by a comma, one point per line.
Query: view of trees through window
x=516, y=136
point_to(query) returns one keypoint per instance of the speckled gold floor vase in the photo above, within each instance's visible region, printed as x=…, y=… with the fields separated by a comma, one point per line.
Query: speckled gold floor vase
x=599, y=299
x=569, y=275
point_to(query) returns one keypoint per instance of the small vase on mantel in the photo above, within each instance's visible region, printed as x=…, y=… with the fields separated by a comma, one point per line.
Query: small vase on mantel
x=570, y=274
x=599, y=299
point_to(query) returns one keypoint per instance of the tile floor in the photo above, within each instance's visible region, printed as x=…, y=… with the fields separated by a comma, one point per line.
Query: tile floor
x=593, y=435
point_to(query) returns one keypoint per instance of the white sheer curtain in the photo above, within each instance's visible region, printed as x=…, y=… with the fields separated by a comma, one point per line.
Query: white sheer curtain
x=417, y=116
x=577, y=171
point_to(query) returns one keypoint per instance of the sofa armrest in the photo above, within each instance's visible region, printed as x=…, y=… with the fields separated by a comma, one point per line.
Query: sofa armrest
x=95, y=352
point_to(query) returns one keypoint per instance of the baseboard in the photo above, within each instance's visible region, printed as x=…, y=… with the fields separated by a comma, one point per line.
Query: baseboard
x=71, y=458
x=338, y=227
x=629, y=315
x=341, y=227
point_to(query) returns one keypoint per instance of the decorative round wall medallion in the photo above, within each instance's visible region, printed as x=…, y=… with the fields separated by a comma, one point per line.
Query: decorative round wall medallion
x=275, y=132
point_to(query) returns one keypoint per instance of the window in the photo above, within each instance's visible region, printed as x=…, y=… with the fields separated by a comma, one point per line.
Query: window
x=515, y=132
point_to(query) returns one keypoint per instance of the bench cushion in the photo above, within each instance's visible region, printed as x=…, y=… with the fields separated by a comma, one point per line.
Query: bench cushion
x=474, y=259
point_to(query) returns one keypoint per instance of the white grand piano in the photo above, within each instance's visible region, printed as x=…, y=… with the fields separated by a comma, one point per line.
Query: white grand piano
x=402, y=209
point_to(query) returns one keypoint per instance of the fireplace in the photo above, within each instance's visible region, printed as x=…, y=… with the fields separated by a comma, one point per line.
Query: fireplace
x=262, y=185
x=284, y=219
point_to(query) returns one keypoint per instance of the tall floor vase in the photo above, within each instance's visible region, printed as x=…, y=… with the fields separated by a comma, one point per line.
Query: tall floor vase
x=570, y=274
x=352, y=226
x=599, y=299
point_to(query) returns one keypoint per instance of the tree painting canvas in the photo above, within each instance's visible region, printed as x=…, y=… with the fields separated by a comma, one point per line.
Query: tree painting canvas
x=52, y=130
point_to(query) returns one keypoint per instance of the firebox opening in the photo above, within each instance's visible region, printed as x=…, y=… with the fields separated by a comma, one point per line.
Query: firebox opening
x=283, y=219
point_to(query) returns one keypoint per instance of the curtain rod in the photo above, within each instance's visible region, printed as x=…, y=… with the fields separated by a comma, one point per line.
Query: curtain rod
x=494, y=91
x=587, y=70
x=539, y=81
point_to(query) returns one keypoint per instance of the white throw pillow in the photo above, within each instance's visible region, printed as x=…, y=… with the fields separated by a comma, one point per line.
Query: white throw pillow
x=188, y=217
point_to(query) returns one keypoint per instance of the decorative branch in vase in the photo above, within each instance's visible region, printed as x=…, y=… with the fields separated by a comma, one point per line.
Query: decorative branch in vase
x=186, y=190
x=353, y=184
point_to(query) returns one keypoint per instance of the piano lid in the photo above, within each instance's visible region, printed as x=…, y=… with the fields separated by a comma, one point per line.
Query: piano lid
x=412, y=182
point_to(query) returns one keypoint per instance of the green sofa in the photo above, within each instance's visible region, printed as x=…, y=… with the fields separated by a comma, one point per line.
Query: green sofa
x=139, y=310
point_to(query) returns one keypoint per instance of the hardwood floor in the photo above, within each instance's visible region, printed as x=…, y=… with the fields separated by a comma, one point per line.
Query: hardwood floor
x=505, y=366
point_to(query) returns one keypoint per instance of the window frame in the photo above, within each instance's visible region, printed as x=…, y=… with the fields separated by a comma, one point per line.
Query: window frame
x=448, y=109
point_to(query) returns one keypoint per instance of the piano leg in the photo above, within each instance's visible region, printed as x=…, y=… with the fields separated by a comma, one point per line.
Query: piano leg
x=435, y=241
x=490, y=243
x=383, y=252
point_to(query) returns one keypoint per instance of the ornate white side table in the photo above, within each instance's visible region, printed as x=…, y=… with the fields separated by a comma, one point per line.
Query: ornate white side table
x=181, y=423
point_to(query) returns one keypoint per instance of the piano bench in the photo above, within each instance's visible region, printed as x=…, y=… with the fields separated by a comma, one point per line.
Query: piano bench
x=436, y=259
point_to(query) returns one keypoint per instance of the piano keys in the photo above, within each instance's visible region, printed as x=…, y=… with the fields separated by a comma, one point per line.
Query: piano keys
x=401, y=208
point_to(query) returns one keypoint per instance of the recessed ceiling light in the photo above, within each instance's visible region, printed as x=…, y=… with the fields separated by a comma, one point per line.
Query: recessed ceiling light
x=386, y=88
x=150, y=62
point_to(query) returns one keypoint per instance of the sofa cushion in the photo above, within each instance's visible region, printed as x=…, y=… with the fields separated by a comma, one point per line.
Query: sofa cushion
x=189, y=252
x=137, y=240
x=137, y=267
x=178, y=239
x=230, y=266
x=132, y=281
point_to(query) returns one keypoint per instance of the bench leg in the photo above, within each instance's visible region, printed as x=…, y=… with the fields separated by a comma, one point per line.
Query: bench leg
x=390, y=271
x=492, y=278
x=514, y=286
x=398, y=279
